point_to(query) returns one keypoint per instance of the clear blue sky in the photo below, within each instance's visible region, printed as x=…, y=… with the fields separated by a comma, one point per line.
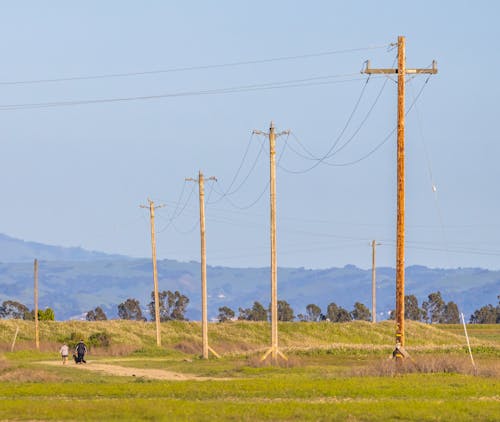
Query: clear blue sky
x=75, y=175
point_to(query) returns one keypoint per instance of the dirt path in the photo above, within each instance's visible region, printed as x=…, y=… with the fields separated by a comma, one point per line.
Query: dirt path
x=122, y=371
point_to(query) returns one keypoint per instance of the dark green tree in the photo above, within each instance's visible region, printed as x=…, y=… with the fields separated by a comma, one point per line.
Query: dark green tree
x=96, y=315
x=225, y=314
x=285, y=311
x=10, y=309
x=451, y=314
x=487, y=314
x=313, y=312
x=434, y=308
x=256, y=313
x=412, y=311
x=180, y=305
x=360, y=312
x=336, y=313
x=130, y=309
x=172, y=305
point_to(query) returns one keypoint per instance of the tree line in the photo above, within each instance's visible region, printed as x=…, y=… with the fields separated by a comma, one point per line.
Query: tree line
x=11, y=309
x=173, y=306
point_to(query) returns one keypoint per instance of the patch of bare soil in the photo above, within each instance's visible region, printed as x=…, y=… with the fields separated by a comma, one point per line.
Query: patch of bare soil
x=122, y=371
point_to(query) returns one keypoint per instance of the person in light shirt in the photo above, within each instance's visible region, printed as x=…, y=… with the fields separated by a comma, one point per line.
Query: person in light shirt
x=64, y=353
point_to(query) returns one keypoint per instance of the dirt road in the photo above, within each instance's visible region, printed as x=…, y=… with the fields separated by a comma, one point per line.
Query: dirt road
x=123, y=371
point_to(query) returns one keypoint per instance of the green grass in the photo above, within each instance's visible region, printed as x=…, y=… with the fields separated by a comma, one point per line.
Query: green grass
x=295, y=397
x=336, y=372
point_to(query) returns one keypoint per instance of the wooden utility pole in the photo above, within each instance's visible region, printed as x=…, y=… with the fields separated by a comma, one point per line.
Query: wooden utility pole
x=155, y=271
x=204, y=312
x=374, y=286
x=401, y=71
x=274, y=350
x=37, y=332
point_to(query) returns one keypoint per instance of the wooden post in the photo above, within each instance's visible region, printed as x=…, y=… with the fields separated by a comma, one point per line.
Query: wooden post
x=274, y=265
x=155, y=271
x=401, y=71
x=274, y=350
x=37, y=332
x=374, y=288
x=204, y=317
x=204, y=311
x=400, y=236
x=14, y=340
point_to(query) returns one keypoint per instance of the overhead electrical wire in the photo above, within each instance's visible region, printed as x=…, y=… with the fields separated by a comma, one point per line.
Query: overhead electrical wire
x=228, y=191
x=251, y=204
x=190, y=68
x=332, y=151
x=178, y=210
x=385, y=139
x=296, y=83
x=249, y=143
x=346, y=125
x=378, y=146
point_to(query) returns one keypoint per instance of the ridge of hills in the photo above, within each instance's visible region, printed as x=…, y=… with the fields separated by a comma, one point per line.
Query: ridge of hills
x=17, y=250
x=73, y=281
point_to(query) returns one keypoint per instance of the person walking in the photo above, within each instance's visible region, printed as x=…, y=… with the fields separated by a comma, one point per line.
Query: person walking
x=64, y=353
x=80, y=350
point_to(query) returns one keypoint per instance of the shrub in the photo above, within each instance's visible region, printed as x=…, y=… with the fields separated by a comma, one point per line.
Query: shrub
x=100, y=339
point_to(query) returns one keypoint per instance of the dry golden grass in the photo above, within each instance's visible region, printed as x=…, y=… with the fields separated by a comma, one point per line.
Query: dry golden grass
x=428, y=365
x=238, y=337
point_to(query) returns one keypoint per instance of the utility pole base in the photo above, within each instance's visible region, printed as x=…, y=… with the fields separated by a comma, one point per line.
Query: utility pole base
x=214, y=352
x=274, y=352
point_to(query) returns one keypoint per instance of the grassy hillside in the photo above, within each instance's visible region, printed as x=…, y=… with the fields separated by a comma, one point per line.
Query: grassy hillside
x=244, y=336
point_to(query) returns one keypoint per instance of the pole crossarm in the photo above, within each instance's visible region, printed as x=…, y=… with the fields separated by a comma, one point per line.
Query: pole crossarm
x=154, y=206
x=283, y=132
x=371, y=71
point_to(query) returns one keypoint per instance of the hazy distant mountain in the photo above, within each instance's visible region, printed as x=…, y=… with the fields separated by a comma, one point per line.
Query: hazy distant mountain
x=16, y=250
x=89, y=279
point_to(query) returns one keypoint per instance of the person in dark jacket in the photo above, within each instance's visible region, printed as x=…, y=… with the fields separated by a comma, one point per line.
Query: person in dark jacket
x=80, y=350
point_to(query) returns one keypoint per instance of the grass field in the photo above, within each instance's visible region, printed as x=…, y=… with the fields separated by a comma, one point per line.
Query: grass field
x=335, y=372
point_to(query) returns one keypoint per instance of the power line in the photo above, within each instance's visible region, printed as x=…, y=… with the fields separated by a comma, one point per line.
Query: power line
x=189, y=68
x=252, y=167
x=177, y=213
x=331, y=152
x=251, y=204
x=297, y=83
x=383, y=141
x=320, y=160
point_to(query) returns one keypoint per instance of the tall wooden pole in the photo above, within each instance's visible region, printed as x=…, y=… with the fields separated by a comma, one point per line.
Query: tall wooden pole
x=274, y=350
x=374, y=288
x=401, y=71
x=204, y=310
x=37, y=331
x=155, y=271
x=400, y=235
x=204, y=317
x=274, y=266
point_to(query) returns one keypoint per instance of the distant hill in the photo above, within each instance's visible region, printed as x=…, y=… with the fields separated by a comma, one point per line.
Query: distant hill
x=89, y=279
x=16, y=250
